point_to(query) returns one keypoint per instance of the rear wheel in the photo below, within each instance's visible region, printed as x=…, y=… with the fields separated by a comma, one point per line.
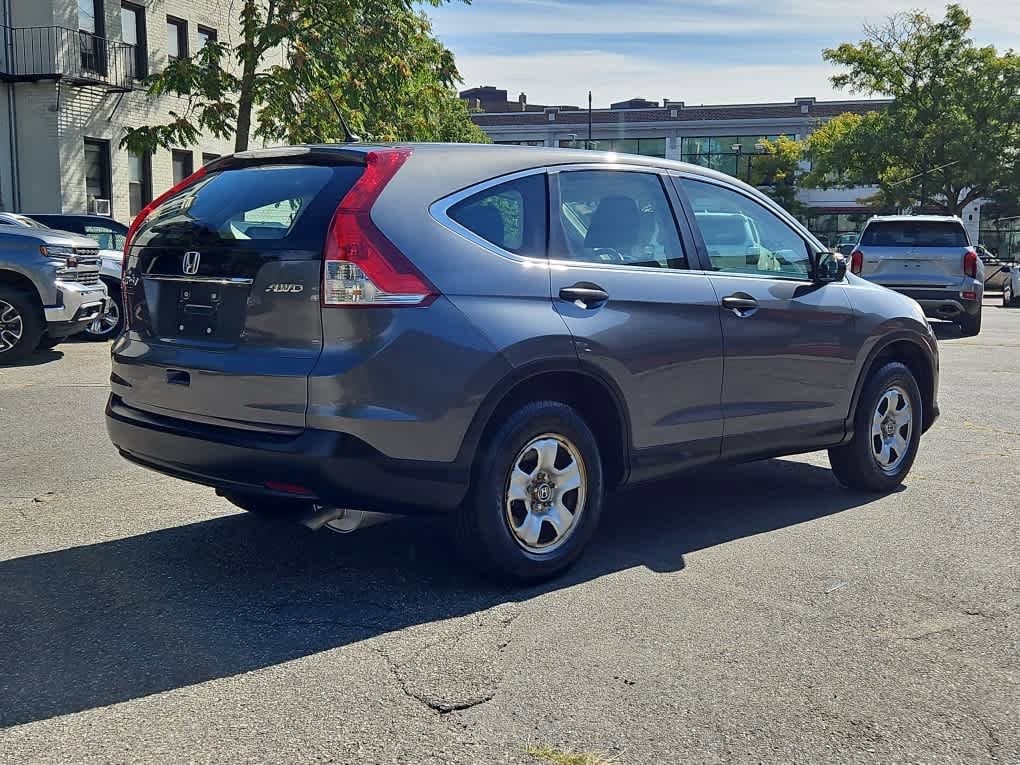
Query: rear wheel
x=21, y=325
x=536, y=495
x=970, y=325
x=887, y=431
x=1008, y=298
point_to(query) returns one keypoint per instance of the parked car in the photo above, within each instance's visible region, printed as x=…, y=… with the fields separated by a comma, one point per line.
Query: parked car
x=996, y=270
x=49, y=288
x=110, y=235
x=928, y=258
x=1011, y=286
x=845, y=243
x=502, y=333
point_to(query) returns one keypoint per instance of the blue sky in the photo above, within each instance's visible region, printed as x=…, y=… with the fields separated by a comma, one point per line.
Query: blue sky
x=698, y=52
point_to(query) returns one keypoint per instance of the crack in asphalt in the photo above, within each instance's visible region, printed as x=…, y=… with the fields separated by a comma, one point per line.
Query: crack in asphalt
x=445, y=706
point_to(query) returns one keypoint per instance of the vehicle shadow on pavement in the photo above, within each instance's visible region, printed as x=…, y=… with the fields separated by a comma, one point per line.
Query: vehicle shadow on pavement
x=38, y=358
x=96, y=625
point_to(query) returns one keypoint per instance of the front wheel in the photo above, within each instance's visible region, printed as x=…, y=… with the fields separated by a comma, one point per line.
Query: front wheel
x=1008, y=298
x=887, y=432
x=536, y=495
x=970, y=326
x=21, y=325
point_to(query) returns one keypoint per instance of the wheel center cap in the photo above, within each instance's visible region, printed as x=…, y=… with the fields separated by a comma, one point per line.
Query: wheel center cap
x=889, y=427
x=543, y=493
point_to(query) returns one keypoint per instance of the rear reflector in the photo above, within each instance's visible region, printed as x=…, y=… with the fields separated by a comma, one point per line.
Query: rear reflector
x=856, y=261
x=970, y=260
x=288, y=488
x=362, y=267
x=968, y=295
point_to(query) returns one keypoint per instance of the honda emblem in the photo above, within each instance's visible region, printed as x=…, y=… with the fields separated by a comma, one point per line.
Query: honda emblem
x=191, y=261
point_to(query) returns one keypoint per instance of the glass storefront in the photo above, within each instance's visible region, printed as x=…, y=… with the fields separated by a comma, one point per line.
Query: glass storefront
x=520, y=143
x=648, y=147
x=717, y=152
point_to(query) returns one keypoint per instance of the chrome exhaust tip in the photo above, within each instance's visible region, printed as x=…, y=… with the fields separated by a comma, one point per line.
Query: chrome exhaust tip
x=342, y=520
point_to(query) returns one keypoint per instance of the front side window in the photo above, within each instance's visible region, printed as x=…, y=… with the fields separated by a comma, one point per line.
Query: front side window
x=108, y=237
x=511, y=215
x=617, y=218
x=744, y=237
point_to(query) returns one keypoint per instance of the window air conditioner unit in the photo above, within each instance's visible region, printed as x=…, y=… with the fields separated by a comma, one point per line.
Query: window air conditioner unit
x=102, y=207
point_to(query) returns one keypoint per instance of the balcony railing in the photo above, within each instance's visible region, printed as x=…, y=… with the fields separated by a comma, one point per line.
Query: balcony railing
x=29, y=54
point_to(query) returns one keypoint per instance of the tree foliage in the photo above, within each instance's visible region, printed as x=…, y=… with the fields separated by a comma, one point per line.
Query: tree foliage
x=377, y=59
x=777, y=170
x=952, y=133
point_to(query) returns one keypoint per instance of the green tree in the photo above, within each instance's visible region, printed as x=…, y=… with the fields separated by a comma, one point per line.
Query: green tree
x=777, y=170
x=952, y=133
x=377, y=58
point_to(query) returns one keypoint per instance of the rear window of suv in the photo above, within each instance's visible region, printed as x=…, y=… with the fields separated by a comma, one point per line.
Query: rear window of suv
x=270, y=203
x=914, y=234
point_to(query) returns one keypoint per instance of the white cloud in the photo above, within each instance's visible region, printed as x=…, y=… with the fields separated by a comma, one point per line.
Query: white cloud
x=566, y=78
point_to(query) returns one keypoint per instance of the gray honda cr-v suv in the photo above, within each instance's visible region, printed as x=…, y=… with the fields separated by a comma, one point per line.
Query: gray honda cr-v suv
x=498, y=332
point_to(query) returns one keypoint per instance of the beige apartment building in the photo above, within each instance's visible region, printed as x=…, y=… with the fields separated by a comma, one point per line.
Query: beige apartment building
x=70, y=75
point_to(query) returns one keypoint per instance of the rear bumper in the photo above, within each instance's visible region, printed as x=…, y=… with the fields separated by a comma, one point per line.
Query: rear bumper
x=336, y=469
x=948, y=305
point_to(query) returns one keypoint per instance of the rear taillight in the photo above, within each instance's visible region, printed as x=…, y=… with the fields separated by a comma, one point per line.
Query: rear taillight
x=147, y=211
x=362, y=267
x=970, y=261
x=856, y=261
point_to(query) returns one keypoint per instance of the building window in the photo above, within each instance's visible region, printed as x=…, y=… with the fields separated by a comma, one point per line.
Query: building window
x=205, y=34
x=519, y=143
x=90, y=33
x=97, y=170
x=132, y=26
x=207, y=158
x=730, y=154
x=176, y=38
x=184, y=164
x=648, y=147
x=139, y=181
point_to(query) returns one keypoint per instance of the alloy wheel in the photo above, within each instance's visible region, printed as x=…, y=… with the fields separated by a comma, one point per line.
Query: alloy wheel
x=107, y=323
x=892, y=425
x=545, y=493
x=12, y=327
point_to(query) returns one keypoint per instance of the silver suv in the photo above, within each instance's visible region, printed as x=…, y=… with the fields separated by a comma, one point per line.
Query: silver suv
x=928, y=258
x=503, y=334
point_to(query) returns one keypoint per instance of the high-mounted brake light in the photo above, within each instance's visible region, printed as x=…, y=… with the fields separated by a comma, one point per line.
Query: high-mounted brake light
x=856, y=262
x=970, y=260
x=148, y=209
x=362, y=267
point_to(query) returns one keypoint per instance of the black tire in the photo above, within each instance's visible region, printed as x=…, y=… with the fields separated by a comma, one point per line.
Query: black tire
x=970, y=325
x=1008, y=298
x=266, y=507
x=855, y=464
x=21, y=316
x=484, y=533
x=108, y=331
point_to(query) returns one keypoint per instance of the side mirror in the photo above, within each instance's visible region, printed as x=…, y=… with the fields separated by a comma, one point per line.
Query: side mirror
x=829, y=267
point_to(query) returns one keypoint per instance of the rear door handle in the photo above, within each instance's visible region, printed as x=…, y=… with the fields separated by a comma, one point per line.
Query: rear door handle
x=741, y=304
x=585, y=295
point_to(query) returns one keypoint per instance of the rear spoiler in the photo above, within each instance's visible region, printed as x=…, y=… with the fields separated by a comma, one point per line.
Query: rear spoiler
x=339, y=154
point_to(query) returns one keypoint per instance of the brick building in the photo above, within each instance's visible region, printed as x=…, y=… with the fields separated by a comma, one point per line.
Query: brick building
x=69, y=86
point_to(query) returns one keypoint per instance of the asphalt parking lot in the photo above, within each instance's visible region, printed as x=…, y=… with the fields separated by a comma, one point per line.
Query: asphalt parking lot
x=752, y=614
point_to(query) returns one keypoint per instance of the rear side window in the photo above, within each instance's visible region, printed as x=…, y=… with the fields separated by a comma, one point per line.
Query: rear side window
x=914, y=234
x=275, y=203
x=511, y=215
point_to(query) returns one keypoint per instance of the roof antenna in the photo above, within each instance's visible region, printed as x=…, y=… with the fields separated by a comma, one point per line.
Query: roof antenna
x=349, y=136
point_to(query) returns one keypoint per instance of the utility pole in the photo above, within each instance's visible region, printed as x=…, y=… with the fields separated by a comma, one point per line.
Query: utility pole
x=589, y=144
